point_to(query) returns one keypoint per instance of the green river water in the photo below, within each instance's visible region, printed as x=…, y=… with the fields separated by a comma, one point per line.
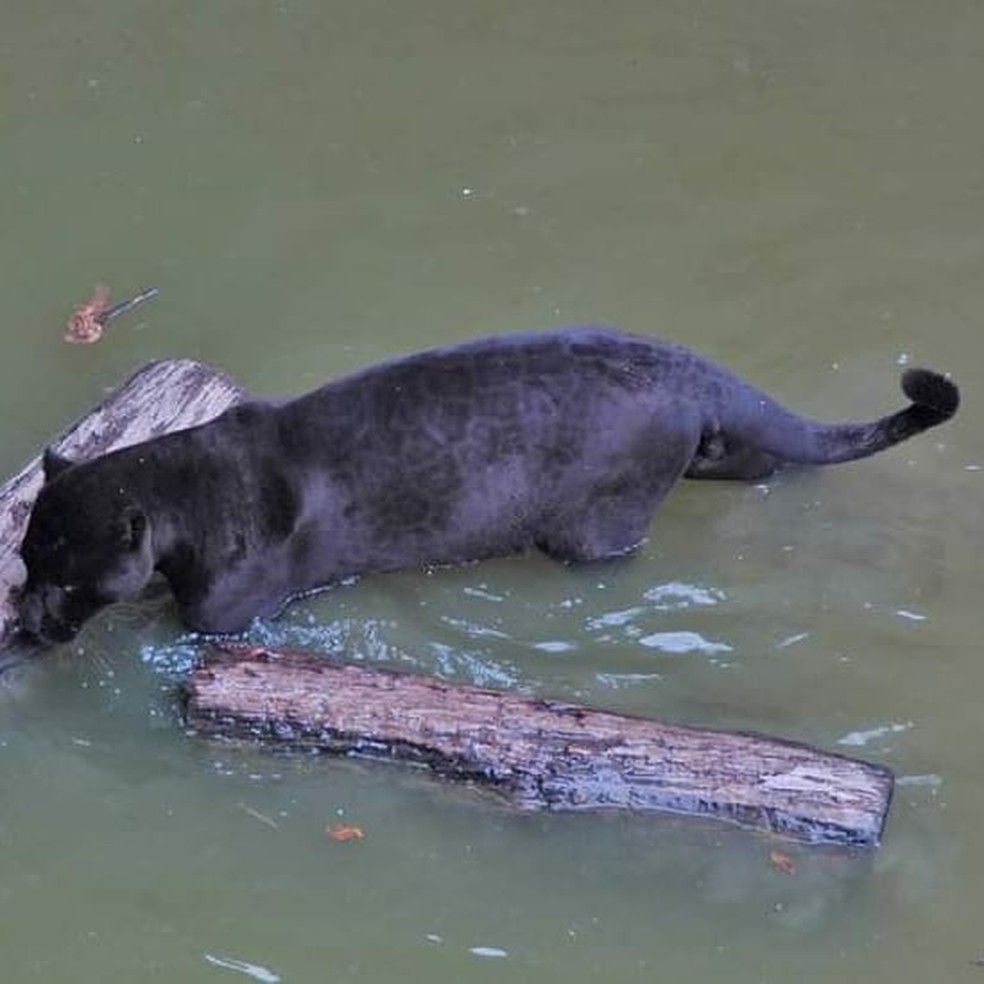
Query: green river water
x=796, y=189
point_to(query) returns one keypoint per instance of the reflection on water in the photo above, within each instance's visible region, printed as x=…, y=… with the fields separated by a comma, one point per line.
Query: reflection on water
x=858, y=739
x=682, y=642
x=676, y=595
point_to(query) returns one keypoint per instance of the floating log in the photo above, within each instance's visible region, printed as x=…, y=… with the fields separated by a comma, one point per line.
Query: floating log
x=541, y=754
x=161, y=397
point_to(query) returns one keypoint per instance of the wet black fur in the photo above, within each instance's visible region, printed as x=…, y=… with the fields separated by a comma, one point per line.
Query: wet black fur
x=564, y=440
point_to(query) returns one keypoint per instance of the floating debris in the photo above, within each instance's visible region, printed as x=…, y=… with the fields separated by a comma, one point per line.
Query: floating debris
x=782, y=862
x=911, y=616
x=262, y=817
x=929, y=779
x=87, y=321
x=255, y=971
x=857, y=739
x=488, y=951
x=85, y=325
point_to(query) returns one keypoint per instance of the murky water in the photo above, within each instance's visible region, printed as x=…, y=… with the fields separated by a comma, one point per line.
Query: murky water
x=795, y=189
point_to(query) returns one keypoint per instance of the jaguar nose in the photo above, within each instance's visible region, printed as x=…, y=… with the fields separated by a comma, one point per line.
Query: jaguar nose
x=36, y=620
x=52, y=631
x=30, y=611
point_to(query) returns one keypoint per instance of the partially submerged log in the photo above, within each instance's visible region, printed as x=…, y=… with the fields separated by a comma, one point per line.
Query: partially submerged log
x=163, y=396
x=541, y=754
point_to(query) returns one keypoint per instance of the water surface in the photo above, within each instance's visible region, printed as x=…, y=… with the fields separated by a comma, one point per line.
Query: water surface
x=794, y=189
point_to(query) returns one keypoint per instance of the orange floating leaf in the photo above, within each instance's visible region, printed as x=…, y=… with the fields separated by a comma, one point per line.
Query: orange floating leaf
x=344, y=832
x=782, y=862
x=84, y=325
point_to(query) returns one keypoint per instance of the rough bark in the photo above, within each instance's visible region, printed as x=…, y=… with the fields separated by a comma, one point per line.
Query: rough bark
x=541, y=754
x=161, y=397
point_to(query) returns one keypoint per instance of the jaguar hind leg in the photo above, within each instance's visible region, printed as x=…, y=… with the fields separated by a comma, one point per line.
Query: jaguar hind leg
x=721, y=457
x=603, y=530
x=611, y=516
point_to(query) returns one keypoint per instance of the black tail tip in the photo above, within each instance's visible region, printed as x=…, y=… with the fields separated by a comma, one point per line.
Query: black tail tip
x=933, y=391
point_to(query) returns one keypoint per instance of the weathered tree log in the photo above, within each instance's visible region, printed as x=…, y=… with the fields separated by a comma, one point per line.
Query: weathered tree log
x=163, y=396
x=541, y=754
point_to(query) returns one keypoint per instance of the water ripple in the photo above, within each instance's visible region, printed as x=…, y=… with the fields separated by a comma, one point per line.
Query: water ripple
x=677, y=595
x=683, y=642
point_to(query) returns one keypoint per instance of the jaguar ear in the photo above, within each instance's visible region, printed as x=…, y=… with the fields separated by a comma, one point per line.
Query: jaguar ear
x=54, y=464
x=133, y=528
